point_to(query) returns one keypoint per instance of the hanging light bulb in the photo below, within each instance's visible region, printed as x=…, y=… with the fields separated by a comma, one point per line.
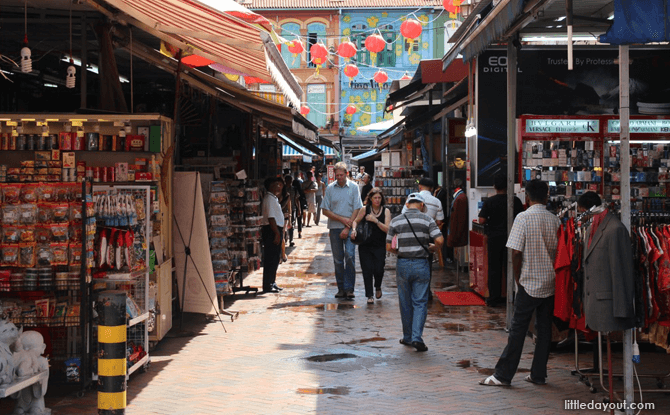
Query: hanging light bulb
x=68, y=127
x=70, y=79
x=26, y=54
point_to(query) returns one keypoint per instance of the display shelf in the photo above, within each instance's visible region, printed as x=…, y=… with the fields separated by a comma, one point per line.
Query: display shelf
x=138, y=319
x=143, y=361
x=22, y=383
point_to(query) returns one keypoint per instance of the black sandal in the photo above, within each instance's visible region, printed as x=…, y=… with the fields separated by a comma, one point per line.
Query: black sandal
x=404, y=343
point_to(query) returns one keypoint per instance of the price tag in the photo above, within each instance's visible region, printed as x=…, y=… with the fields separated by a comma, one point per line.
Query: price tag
x=12, y=124
x=119, y=123
x=80, y=133
x=42, y=123
x=15, y=133
x=45, y=134
x=77, y=124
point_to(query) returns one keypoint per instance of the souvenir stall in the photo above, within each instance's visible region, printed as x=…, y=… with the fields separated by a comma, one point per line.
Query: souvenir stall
x=121, y=165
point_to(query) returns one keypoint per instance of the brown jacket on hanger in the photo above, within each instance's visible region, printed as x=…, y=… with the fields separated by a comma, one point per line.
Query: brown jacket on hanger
x=609, y=287
x=458, y=222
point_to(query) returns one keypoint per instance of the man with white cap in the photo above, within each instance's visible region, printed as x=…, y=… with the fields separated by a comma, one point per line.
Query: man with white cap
x=412, y=232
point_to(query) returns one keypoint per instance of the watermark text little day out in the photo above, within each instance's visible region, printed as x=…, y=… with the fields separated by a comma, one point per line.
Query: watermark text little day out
x=575, y=404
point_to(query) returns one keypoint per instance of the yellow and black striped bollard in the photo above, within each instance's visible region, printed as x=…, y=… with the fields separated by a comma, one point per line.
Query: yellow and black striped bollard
x=112, y=368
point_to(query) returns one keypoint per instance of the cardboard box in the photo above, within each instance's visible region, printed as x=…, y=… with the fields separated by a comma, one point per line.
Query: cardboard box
x=134, y=142
x=145, y=132
x=69, y=160
x=121, y=172
x=143, y=177
x=55, y=154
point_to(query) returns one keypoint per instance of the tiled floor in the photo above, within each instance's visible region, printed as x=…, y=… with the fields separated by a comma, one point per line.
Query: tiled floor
x=304, y=352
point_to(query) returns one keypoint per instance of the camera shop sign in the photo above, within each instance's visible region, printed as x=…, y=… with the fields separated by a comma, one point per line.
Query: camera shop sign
x=562, y=126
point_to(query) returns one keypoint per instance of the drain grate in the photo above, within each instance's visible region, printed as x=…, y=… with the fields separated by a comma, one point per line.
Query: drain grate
x=331, y=357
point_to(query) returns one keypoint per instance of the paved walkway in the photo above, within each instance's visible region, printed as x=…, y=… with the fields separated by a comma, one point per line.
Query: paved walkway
x=304, y=352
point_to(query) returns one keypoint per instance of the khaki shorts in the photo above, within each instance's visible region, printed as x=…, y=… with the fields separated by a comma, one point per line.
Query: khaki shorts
x=311, y=207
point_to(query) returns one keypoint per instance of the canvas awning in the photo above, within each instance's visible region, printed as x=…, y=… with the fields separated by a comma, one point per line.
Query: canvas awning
x=300, y=144
x=220, y=30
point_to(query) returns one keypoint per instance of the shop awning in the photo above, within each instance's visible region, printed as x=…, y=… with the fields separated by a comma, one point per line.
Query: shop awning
x=290, y=151
x=220, y=30
x=367, y=155
x=233, y=94
x=300, y=144
x=327, y=151
x=639, y=22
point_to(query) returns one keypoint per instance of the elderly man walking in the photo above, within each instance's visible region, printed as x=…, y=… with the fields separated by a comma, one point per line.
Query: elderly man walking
x=413, y=231
x=340, y=205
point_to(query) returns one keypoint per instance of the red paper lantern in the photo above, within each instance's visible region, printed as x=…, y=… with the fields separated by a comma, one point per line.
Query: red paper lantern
x=304, y=110
x=452, y=6
x=351, y=109
x=375, y=43
x=347, y=49
x=381, y=77
x=295, y=46
x=411, y=28
x=318, y=50
x=351, y=71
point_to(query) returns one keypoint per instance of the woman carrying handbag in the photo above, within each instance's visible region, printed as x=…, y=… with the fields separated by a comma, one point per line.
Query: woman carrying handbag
x=372, y=251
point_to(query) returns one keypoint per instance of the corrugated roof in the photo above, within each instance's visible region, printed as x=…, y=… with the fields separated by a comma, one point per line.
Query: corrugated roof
x=337, y=4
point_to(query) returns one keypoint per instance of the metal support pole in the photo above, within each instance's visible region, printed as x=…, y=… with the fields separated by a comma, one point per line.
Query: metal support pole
x=112, y=369
x=624, y=114
x=511, y=151
x=84, y=63
x=431, y=156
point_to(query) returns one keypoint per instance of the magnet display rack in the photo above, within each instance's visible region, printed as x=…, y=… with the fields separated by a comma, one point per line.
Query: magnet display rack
x=133, y=277
x=396, y=184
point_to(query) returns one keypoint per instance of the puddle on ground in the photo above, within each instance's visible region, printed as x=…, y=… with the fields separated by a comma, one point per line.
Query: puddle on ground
x=471, y=365
x=342, y=390
x=313, y=307
x=371, y=339
x=330, y=357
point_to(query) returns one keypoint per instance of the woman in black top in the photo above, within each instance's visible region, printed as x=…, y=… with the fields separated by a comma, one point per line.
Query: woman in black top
x=372, y=255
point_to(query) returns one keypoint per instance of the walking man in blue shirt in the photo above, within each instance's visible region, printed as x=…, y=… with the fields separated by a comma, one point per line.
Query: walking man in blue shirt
x=340, y=205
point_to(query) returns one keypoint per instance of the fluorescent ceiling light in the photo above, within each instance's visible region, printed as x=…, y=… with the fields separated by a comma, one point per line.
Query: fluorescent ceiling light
x=50, y=85
x=560, y=19
x=611, y=17
x=558, y=38
x=642, y=141
x=91, y=68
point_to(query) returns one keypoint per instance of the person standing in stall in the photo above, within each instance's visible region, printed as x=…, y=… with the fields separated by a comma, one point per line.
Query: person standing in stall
x=494, y=216
x=533, y=242
x=458, y=222
x=367, y=185
x=271, y=233
x=340, y=205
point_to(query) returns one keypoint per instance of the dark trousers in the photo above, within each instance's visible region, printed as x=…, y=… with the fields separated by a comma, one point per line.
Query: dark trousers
x=524, y=306
x=297, y=216
x=372, y=259
x=497, y=264
x=271, y=255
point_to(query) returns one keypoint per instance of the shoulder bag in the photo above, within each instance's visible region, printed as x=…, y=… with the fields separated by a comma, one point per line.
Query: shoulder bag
x=417, y=238
x=363, y=232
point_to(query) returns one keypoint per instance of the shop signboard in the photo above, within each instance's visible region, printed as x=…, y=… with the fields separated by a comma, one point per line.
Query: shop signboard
x=559, y=126
x=331, y=173
x=640, y=126
x=547, y=89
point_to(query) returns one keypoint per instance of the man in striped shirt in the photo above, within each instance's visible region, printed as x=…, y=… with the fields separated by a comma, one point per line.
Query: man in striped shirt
x=413, y=231
x=533, y=242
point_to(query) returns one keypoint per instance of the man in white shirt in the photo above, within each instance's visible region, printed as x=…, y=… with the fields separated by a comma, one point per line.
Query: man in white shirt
x=271, y=233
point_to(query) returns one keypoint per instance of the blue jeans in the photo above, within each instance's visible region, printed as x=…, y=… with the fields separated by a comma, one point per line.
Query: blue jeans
x=344, y=257
x=524, y=305
x=413, y=279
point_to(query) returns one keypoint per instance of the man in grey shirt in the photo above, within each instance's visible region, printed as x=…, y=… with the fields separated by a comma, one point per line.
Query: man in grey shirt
x=340, y=205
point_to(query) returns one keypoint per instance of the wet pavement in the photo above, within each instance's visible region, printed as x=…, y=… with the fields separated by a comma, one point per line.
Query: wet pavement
x=302, y=351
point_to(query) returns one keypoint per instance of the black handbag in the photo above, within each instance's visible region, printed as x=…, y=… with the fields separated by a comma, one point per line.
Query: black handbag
x=363, y=233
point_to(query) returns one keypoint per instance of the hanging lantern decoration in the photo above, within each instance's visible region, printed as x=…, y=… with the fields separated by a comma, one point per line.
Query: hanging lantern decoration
x=380, y=77
x=304, y=110
x=296, y=48
x=411, y=29
x=347, y=50
x=406, y=77
x=70, y=79
x=351, y=71
x=351, y=109
x=453, y=7
x=374, y=44
x=319, y=53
